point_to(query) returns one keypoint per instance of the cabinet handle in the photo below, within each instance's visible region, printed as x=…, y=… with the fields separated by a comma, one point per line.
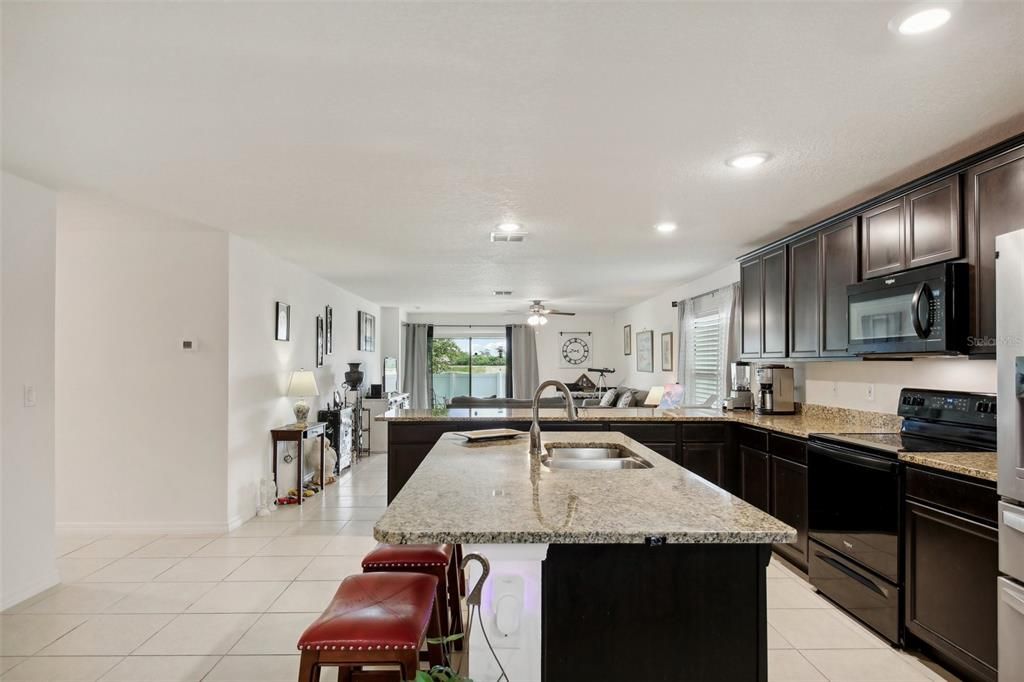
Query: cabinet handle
x=1014, y=521
x=1014, y=601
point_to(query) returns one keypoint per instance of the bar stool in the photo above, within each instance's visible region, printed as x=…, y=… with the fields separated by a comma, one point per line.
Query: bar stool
x=436, y=560
x=373, y=619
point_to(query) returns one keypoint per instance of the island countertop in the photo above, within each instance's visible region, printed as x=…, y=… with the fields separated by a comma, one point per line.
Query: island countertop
x=497, y=493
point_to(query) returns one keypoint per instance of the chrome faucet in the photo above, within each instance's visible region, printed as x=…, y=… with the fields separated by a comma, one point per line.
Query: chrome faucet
x=570, y=411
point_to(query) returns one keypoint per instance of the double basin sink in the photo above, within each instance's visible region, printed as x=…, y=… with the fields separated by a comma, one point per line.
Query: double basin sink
x=610, y=457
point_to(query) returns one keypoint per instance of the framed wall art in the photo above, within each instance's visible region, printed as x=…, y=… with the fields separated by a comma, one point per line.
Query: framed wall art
x=282, y=322
x=319, y=341
x=666, y=352
x=627, y=340
x=645, y=351
x=367, y=332
x=329, y=331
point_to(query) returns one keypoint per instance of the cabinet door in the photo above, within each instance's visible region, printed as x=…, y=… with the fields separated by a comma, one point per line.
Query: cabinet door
x=789, y=504
x=933, y=223
x=883, y=233
x=754, y=477
x=707, y=460
x=951, y=595
x=994, y=192
x=803, y=297
x=750, y=319
x=774, y=322
x=839, y=268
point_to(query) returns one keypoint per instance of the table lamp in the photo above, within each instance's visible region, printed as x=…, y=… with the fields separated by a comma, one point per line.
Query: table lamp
x=302, y=384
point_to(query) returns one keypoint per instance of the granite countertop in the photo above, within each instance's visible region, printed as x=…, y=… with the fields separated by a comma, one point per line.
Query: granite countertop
x=497, y=493
x=812, y=418
x=983, y=465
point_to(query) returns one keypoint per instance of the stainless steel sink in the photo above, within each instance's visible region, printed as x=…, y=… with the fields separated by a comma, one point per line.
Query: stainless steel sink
x=607, y=458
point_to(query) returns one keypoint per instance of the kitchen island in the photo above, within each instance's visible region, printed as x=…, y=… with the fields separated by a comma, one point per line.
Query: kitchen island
x=641, y=574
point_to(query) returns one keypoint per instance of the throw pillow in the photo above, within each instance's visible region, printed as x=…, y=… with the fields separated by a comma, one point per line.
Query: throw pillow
x=625, y=400
x=608, y=399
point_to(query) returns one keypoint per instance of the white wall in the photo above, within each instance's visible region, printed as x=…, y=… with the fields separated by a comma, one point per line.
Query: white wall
x=27, y=265
x=259, y=367
x=657, y=314
x=141, y=424
x=549, y=339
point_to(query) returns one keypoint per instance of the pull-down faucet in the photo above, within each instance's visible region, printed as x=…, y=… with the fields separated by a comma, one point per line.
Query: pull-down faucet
x=570, y=411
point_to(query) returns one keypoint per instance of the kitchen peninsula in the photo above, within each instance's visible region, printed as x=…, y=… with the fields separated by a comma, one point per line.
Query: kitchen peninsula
x=576, y=556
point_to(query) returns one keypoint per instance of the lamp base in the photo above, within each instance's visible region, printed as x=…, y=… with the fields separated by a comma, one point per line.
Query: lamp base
x=301, y=412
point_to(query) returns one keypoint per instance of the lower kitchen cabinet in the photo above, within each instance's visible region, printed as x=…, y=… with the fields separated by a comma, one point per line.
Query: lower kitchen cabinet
x=789, y=505
x=707, y=460
x=755, y=477
x=952, y=561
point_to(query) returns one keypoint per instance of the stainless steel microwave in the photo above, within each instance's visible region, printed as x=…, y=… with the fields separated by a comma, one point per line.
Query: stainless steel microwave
x=924, y=310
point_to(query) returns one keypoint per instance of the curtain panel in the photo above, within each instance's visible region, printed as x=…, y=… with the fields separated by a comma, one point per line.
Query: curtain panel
x=417, y=377
x=525, y=375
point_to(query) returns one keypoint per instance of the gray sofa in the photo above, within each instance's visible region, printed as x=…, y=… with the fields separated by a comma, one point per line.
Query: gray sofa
x=639, y=396
x=465, y=401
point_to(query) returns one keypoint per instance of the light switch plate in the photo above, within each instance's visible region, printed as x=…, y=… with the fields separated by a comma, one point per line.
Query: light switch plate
x=871, y=392
x=30, y=395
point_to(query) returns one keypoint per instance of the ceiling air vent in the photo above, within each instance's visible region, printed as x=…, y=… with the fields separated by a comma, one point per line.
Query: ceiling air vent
x=502, y=292
x=508, y=236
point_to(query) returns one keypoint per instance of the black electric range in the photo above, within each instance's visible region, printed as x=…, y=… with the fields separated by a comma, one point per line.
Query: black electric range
x=854, y=494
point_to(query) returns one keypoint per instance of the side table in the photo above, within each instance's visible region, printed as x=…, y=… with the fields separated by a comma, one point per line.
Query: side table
x=297, y=433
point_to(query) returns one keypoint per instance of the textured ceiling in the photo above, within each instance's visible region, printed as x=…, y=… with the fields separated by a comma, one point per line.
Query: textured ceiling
x=379, y=143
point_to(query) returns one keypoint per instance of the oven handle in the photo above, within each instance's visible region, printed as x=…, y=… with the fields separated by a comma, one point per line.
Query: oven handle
x=866, y=461
x=852, y=574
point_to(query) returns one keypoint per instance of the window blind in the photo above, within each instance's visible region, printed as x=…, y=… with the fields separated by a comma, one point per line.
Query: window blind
x=706, y=355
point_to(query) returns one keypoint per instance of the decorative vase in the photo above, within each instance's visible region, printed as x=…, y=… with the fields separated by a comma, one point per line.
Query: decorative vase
x=354, y=375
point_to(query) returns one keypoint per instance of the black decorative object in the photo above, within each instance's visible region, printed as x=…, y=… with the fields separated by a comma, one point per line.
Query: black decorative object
x=282, y=322
x=354, y=376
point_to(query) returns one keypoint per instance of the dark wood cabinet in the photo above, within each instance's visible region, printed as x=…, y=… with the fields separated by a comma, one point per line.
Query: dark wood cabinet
x=994, y=198
x=707, y=460
x=883, y=231
x=951, y=596
x=840, y=267
x=789, y=504
x=754, y=478
x=750, y=319
x=774, y=320
x=803, y=297
x=933, y=223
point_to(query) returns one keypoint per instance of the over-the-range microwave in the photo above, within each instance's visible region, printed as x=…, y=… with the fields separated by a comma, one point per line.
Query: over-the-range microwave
x=924, y=310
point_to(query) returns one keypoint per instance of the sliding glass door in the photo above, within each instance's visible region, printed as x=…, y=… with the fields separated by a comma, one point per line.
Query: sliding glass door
x=469, y=366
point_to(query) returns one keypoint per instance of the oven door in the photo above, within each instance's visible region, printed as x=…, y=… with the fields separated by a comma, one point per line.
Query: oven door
x=854, y=506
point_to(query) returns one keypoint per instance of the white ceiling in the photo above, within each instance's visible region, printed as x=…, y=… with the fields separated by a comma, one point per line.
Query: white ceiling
x=379, y=143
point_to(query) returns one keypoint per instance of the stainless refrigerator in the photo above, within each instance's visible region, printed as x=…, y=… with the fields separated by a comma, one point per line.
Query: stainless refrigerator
x=1010, y=369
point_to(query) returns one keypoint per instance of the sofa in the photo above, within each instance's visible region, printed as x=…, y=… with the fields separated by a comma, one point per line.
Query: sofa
x=465, y=401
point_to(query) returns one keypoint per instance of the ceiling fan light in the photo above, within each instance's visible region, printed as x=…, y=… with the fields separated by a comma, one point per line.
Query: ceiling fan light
x=533, y=320
x=543, y=319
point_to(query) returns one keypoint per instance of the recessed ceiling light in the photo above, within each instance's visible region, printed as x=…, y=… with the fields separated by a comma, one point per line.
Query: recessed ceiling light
x=510, y=227
x=747, y=160
x=666, y=227
x=922, y=21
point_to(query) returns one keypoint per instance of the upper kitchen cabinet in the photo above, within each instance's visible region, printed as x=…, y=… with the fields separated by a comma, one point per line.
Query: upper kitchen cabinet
x=919, y=228
x=803, y=297
x=840, y=267
x=994, y=197
x=764, y=326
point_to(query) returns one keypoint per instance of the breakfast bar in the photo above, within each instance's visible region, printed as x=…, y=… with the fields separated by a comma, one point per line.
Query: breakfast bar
x=580, y=547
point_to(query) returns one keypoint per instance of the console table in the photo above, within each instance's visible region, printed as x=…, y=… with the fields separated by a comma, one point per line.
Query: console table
x=297, y=433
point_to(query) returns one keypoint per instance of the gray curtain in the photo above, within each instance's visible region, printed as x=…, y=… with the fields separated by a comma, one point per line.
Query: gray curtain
x=525, y=376
x=685, y=308
x=417, y=379
x=732, y=349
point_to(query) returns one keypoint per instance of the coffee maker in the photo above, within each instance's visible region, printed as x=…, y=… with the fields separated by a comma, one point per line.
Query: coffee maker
x=740, y=397
x=775, y=392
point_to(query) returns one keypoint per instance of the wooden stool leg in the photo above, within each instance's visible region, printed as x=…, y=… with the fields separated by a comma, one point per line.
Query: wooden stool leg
x=410, y=663
x=454, y=603
x=434, y=630
x=460, y=572
x=309, y=668
x=441, y=599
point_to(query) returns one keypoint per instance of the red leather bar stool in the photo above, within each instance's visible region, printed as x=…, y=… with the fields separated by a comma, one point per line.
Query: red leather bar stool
x=374, y=619
x=436, y=560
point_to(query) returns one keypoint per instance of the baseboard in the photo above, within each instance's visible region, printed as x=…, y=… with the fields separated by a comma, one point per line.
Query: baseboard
x=9, y=599
x=126, y=527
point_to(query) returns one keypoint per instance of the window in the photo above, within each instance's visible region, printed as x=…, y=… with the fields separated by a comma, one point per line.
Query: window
x=705, y=329
x=468, y=366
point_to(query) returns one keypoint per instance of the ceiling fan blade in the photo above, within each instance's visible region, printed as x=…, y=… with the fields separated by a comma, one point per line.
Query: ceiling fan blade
x=557, y=312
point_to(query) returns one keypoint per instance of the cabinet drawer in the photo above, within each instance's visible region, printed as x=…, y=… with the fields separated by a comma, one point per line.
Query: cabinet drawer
x=667, y=450
x=793, y=449
x=754, y=438
x=647, y=433
x=704, y=433
x=975, y=499
x=564, y=426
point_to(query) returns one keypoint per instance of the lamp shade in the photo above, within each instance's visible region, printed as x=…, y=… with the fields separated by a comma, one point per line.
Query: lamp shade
x=302, y=384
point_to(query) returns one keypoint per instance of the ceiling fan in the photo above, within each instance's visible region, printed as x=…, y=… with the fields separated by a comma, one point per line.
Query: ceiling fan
x=538, y=314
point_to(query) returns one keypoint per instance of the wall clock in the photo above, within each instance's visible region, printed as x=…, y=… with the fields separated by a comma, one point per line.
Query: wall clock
x=575, y=351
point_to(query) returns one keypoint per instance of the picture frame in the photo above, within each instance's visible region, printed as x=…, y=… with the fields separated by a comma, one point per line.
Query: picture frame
x=667, y=362
x=319, y=341
x=627, y=340
x=645, y=351
x=366, y=327
x=329, y=331
x=282, y=322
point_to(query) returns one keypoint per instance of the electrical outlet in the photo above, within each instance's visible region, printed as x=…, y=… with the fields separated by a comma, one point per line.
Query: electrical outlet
x=870, y=392
x=835, y=388
x=30, y=395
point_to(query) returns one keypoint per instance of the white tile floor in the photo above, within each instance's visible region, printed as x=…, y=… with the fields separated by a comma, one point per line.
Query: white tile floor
x=230, y=608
